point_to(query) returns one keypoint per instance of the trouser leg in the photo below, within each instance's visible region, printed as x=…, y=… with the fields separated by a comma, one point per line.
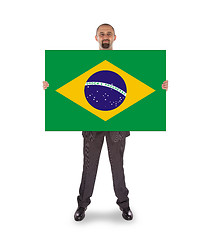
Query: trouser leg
x=91, y=150
x=116, y=151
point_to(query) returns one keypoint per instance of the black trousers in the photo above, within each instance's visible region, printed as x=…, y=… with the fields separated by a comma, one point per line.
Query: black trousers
x=92, y=150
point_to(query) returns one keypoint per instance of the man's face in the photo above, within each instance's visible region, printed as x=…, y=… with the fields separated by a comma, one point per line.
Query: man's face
x=105, y=36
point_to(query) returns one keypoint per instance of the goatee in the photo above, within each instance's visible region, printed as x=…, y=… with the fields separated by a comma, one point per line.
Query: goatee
x=105, y=45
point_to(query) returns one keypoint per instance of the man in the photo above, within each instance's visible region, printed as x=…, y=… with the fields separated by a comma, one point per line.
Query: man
x=93, y=142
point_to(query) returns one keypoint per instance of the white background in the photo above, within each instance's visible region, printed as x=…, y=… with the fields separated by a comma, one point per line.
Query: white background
x=167, y=173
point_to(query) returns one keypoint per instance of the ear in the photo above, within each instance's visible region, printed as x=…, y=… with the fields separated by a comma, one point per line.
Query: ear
x=114, y=37
x=96, y=38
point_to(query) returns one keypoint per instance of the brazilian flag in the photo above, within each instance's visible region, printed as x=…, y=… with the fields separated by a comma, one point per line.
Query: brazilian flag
x=116, y=90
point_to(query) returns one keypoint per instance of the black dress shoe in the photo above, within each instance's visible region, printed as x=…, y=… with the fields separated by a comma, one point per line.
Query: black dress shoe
x=127, y=213
x=79, y=214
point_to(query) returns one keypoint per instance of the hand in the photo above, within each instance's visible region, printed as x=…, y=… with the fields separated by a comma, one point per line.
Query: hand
x=45, y=84
x=165, y=85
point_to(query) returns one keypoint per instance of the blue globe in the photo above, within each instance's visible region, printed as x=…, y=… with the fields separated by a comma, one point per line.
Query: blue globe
x=105, y=90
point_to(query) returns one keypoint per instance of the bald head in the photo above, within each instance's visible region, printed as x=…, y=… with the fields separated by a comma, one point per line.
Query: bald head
x=105, y=24
x=105, y=36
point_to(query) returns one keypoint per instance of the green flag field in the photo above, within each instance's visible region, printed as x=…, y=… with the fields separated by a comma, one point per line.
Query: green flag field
x=116, y=90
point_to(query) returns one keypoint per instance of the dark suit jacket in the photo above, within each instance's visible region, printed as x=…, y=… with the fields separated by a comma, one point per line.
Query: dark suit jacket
x=115, y=136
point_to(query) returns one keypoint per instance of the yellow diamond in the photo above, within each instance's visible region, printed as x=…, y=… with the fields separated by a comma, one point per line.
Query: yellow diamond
x=74, y=90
